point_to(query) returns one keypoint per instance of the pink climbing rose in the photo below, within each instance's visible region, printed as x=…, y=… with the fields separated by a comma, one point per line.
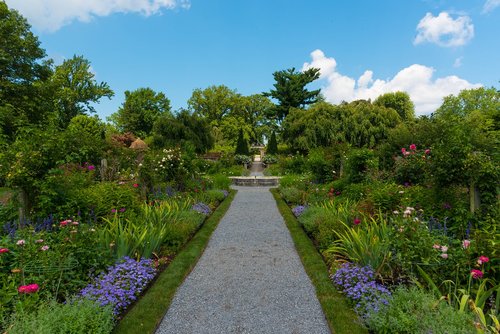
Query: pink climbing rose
x=466, y=244
x=30, y=288
x=482, y=259
x=413, y=147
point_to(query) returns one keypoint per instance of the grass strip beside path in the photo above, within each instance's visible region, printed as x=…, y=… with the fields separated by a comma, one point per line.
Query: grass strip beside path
x=148, y=312
x=339, y=314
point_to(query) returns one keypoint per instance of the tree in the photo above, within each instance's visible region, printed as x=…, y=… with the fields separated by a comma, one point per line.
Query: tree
x=76, y=89
x=23, y=72
x=213, y=103
x=399, y=101
x=140, y=111
x=184, y=128
x=242, y=145
x=272, y=146
x=290, y=90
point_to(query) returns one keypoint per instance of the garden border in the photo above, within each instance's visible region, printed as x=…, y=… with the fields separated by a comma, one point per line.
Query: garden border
x=148, y=312
x=339, y=314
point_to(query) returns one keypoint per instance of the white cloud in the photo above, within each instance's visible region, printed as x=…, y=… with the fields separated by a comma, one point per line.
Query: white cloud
x=445, y=31
x=490, y=5
x=50, y=15
x=458, y=62
x=417, y=80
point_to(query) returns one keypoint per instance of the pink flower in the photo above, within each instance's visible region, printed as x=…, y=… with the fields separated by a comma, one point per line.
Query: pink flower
x=466, y=244
x=91, y=167
x=482, y=259
x=403, y=150
x=427, y=151
x=30, y=288
x=20, y=242
x=444, y=256
x=113, y=210
x=75, y=223
x=4, y=250
x=413, y=147
x=436, y=246
x=357, y=221
x=39, y=241
x=63, y=223
x=44, y=248
x=407, y=153
x=476, y=273
x=135, y=185
x=444, y=249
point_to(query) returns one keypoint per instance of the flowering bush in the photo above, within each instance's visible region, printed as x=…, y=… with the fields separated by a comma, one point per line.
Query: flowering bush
x=202, y=208
x=299, y=210
x=122, y=283
x=412, y=166
x=359, y=285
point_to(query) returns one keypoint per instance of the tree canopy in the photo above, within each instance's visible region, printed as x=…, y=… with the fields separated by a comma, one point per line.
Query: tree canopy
x=141, y=109
x=289, y=90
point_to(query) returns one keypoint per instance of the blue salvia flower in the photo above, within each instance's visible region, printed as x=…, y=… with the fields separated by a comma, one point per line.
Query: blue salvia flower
x=299, y=210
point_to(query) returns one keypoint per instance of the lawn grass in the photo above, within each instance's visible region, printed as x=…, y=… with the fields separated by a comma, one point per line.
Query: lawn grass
x=148, y=312
x=339, y=314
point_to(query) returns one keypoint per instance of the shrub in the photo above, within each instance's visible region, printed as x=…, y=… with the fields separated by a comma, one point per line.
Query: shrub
x=360, y=163
x=320, y=168
x=122, y=283
x=415, y=311
x=359, y=285
x=105, y=197
x=241, y=159
x=220, y=181
x=292, y=195
x=385, y=196
x=321, y=224
x=75, y=316
x=269, y=159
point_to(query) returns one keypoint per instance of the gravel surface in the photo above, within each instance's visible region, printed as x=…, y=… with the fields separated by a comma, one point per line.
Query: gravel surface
x=249, y=279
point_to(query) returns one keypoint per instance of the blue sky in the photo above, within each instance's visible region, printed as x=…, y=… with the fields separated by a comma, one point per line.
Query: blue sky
x=430, y=48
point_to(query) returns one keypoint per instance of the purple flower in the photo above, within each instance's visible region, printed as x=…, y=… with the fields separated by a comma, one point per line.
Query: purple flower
x=299, y=210
x=202, y=208
x=122, y=283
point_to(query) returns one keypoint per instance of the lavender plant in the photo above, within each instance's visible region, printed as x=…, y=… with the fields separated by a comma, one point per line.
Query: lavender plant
x=359, y=285
x=202, y=208
x=299, y=209
x=122, y=283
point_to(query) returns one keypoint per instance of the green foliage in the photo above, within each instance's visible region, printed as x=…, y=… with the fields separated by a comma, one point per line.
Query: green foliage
x=75, y=89
x=105, y=197
x=359, y=123
x=272, y=146
x=367, y=245
x=413, y=167
x=415, y=311
x=242, y=145
x=171, y=131
x=24, y=73
x=220, y=181
x=78, y=316
x=320, y=165
x=294, y=164
x=292, y=195
x=83, y=140
x=142, y=107
x=399, y=101
x=360, y=163
x=386, y=197
x=290, y=90
x=323, y=223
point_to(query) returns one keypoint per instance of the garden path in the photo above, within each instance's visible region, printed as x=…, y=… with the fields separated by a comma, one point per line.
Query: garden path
x=250, y=278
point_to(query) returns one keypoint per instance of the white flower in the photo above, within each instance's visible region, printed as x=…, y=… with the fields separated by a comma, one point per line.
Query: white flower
x=444, y=249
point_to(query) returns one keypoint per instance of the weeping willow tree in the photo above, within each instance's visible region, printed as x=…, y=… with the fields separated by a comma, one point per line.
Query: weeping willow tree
x=359, y=123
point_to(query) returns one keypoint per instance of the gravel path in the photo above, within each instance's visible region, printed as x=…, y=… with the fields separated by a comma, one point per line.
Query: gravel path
x=249, y=279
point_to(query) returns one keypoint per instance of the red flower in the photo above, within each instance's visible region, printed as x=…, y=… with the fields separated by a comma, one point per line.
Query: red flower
x=482, y=259
x=476, y=273
x=357, y=221
x=4, y=250
x=413, y=147
x=427, y=151
x=30, y=288
x=135, y=185
x=63, y=223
